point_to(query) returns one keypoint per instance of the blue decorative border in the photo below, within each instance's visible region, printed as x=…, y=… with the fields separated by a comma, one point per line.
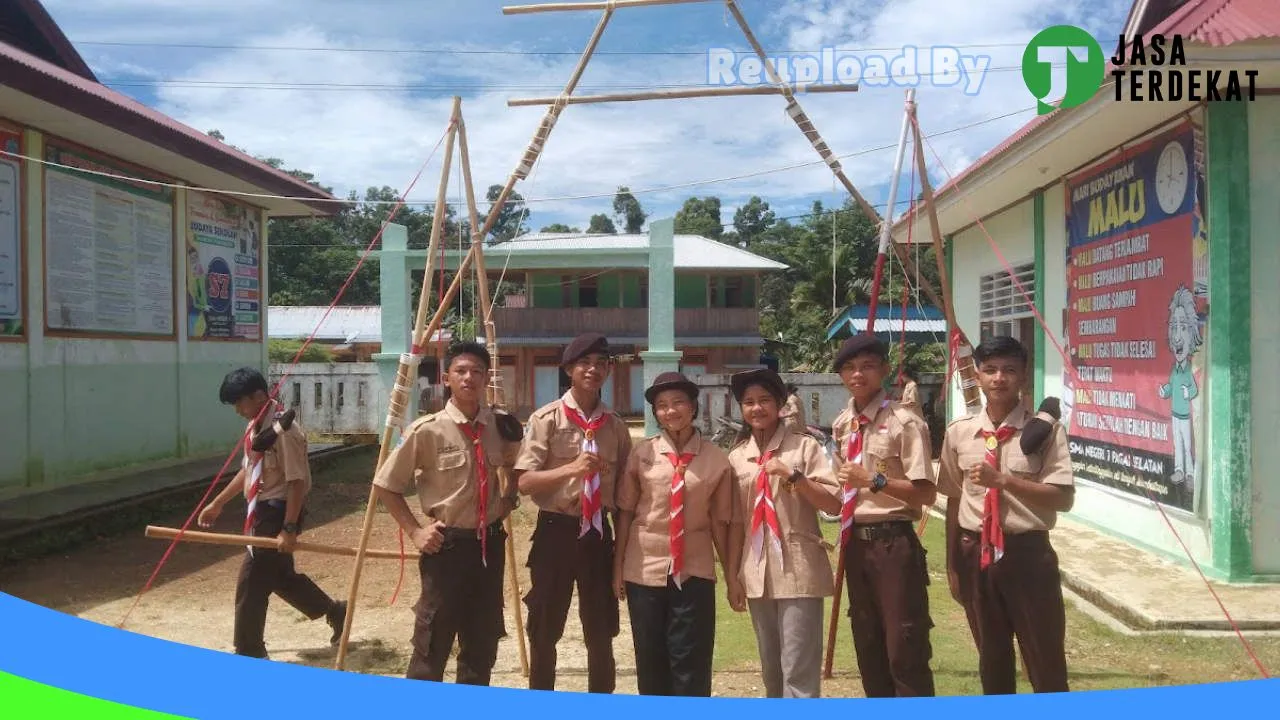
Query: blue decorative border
x=102, y=662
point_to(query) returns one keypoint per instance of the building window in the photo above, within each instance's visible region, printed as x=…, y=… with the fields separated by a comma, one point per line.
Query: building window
x=1004, y=309
x=588, y=293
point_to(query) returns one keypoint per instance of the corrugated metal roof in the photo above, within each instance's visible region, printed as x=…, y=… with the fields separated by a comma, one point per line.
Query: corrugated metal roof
x=922, y=323
x=691, y=251
x=1223, y=22
x=345, y=324
x=39, y=78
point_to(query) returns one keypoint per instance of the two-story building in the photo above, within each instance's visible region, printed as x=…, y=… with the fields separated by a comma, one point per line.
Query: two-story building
x=554, y=286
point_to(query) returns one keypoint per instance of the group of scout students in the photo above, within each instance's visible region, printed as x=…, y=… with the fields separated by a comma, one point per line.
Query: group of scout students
x=646, y=524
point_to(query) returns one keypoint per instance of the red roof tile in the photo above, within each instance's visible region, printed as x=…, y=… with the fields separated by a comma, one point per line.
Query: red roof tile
x=1223, y=22
x=38, y=78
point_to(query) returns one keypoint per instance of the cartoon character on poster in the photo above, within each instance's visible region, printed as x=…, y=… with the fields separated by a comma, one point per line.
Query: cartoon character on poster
x=197, y=293
x=1184, y=339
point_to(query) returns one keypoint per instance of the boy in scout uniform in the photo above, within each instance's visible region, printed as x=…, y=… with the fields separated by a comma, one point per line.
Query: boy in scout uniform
x=453, y=457
x=1001, y=503
x=887, y=477
x=275, y=485
x=568, y=465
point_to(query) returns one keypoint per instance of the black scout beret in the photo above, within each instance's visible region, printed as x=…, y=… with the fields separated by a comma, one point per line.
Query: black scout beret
x=856, y=345
x=584, y=345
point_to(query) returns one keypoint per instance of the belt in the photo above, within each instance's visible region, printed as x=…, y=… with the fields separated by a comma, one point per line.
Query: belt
x=881, y=530
x=551, y=517
x=452, y=534
x=277, y=504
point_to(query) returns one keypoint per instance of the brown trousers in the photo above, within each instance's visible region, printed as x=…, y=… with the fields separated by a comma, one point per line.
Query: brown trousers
x=887, y=581
x=558, y=560
x=265, y=572
x=1019, y=596
x=462, y=599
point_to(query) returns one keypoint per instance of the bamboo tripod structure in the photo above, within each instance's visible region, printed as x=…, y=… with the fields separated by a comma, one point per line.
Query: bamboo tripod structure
x=794, y=111
x=398, y=405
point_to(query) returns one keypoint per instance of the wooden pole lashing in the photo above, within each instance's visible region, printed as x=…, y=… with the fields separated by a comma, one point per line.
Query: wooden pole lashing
x=681, y=94
x=964, y=351
x=564, y=6
x=397, y=405
x=493, y=391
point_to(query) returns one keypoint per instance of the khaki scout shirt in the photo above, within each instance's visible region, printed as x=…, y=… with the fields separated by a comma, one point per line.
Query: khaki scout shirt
x=803, y=569
x=963, y=447
x=896, y=437
x=553, y=440
x=285, y=462
x=645, y=490
x=439, y=460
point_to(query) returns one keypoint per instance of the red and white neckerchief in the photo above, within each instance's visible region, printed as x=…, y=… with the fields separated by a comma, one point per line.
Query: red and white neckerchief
x=482, y=474
x=591, y=505
x=764, y=515
x=853, y=454
x=251, y=462
x=675, y=529
x=992, y=540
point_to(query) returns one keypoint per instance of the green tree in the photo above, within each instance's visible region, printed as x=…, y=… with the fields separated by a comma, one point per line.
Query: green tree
x=700, y=216
x=627, y=209
x=600, y=223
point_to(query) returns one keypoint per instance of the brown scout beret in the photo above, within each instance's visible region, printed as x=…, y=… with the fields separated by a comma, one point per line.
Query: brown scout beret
x=764, y=377
x=584, y=345
x=671, y=381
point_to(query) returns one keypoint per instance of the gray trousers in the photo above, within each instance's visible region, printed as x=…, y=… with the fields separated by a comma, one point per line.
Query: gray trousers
x=789, y=638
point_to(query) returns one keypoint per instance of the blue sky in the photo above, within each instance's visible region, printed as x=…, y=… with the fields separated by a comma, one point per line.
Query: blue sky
x=315, y=108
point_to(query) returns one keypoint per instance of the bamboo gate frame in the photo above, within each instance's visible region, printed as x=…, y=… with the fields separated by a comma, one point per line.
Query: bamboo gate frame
x=960, y=347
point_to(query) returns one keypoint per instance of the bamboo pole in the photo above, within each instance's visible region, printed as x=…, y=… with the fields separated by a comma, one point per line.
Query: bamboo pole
x=208, y=538
x=797, y=113
x=564, y=6
x=682, y=94
x=398, y=404
x=964, y=351
x=493, y=391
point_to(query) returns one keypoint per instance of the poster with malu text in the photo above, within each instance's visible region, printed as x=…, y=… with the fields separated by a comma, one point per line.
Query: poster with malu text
x=1138, y=311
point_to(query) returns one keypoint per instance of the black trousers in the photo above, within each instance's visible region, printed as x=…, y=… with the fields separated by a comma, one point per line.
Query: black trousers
x=461, y=599
x=265, y=572
x=674, y=631
x=559, y=560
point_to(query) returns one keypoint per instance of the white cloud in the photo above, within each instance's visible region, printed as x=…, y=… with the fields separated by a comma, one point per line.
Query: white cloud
x=355, y=138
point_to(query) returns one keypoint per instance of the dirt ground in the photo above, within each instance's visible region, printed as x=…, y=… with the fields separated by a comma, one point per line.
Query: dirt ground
x=191, y=602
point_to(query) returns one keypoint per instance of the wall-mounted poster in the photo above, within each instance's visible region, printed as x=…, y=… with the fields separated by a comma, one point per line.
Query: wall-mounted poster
x=10, y=235
x=1137, y=310
x=224, y=274
x=108, y=247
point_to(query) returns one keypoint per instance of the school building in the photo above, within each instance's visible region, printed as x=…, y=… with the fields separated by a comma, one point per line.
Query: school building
x=555, y=286
x=1143, y=235
x=122, y=303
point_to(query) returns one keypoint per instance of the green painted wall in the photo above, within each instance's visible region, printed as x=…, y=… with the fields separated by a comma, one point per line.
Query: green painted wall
x=631, y=296
x=691, y=290
x=1230, y=461
x=78, y=409
x=608, y=290
x=547, y=292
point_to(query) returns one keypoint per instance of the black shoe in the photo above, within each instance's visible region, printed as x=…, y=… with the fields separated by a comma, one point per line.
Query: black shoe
x=337, y=617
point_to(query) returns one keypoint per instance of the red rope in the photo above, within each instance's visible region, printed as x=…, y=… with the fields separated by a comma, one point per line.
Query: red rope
x=276, y=391
x=1069, y=367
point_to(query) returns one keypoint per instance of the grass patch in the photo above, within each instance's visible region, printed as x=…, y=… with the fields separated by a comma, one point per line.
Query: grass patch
x=1098, y=658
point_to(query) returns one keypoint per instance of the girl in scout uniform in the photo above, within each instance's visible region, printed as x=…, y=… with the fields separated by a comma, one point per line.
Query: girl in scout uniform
x=675, y=503
x=785, y=572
